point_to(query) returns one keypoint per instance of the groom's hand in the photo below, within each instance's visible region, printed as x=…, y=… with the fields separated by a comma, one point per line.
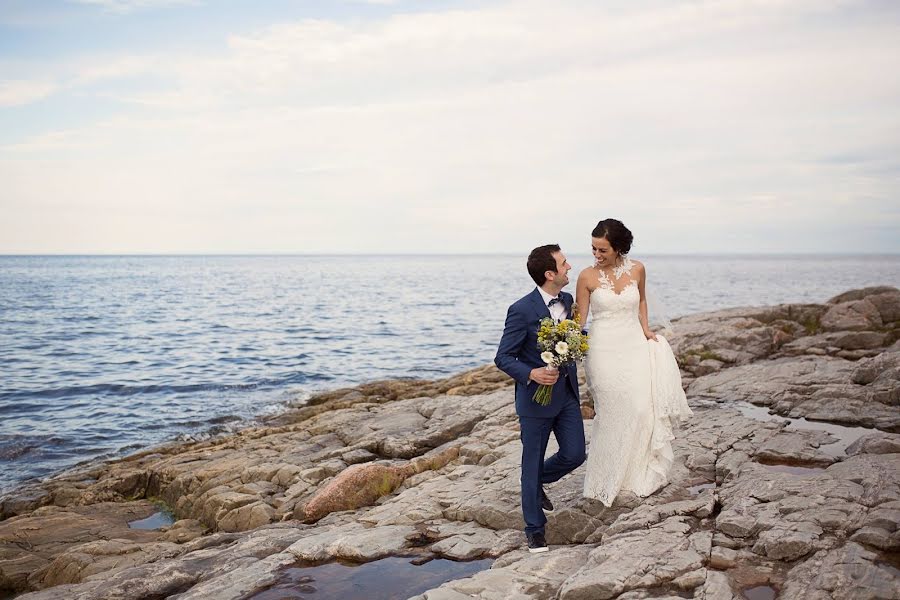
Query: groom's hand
x=545, y=376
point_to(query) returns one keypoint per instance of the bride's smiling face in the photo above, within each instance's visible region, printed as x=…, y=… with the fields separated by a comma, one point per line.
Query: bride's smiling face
x=603, y=252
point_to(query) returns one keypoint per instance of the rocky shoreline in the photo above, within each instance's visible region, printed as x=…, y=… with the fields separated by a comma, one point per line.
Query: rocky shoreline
x=800, y=503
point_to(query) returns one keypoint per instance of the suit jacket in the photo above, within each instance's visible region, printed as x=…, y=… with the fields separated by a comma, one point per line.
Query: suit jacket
x=518, y=354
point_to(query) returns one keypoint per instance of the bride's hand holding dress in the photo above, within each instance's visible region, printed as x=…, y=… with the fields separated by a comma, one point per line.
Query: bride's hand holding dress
x=633, y=378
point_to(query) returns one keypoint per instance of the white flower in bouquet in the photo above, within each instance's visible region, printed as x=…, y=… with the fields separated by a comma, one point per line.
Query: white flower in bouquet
x=561, y=344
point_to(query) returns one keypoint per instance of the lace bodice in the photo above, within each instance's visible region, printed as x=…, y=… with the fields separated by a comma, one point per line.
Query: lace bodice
x=616, y=298
x=636, y=387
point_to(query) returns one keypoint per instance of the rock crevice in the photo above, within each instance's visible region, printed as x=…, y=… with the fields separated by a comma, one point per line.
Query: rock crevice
x=432, y=468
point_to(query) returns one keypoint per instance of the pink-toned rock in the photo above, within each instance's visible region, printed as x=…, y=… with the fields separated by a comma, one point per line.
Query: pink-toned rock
x=363, y=484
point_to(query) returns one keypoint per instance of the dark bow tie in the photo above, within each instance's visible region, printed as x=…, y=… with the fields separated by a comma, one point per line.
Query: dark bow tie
x=555, y=300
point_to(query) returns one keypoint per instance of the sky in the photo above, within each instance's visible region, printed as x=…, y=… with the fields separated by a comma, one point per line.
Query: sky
x=395, y=126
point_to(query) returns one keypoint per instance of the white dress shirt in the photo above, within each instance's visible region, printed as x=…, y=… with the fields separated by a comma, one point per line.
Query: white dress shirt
x=557, y=311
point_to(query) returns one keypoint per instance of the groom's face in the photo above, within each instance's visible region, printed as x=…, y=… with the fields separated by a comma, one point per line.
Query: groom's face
x=561, y=277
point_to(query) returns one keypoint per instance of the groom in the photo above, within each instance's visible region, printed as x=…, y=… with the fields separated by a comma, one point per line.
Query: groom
x=519, y=357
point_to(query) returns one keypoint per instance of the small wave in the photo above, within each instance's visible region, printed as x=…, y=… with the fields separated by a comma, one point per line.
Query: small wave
x=293, y=330
x=79, y=318
x=224, y=419
x=124, y=390
x=242, y=360
x=19, y=407
x=60, y=353
x=15, y=451
x=131, y=448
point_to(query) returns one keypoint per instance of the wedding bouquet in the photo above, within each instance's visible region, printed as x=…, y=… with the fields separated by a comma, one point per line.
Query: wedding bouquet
x=560, y=344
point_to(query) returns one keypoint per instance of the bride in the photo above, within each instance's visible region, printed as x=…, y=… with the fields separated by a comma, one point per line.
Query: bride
x=631, y=374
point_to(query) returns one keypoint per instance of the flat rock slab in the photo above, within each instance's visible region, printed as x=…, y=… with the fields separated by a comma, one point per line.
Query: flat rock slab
x=29, y=544
x=751, y=500
x=815, y=387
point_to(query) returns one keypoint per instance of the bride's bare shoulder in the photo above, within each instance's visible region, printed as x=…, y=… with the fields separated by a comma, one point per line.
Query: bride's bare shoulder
x=587, y=274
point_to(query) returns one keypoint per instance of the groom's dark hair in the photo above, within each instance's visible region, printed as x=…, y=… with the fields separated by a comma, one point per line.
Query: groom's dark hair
x=540, y=261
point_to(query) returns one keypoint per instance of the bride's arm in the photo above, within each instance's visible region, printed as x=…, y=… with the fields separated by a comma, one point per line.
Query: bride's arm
x=642, y=310
x=583, y=297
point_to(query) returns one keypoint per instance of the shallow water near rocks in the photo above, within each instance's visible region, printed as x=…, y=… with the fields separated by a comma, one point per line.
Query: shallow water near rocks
x=696, y=490
x=845, y=435
x=794, y=469
x=157, y=520
x=760, y=592
x=385, y=579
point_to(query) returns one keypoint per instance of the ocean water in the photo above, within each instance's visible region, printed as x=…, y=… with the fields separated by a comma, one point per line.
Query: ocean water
x=103, y=355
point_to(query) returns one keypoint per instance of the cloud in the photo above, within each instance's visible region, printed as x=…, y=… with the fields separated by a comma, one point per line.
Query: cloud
x=21, y=92
x=483, y=130
x=127, y=6
x=92, y=71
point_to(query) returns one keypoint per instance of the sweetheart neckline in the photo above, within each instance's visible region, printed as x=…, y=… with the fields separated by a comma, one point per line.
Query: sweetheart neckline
x=615, y=293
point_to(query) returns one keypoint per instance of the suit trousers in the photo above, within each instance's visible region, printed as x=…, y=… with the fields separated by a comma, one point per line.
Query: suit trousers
x=568, y=428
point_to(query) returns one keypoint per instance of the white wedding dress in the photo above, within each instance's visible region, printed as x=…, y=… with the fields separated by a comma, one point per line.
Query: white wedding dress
x=636, y=387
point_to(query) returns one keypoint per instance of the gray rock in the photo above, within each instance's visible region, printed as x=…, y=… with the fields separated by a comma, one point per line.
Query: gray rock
x=885, y=367
x=103, y=556
x=24, y=501
x=466, y=541
x=875, y=443
x=516, y=576
x=716, y=587
x=806, y=532
x=788, y=544
x=353, y=542
x=849, y=571
x=863, y=293
x=708, y=366
x=640, y=559
x=360, y=455
x=31, y=544
x=854, y=315
x=888, y=305
x=221, y=557
x=877, y=538
x=795, y=447
x=722, y=557
x=723, y=336
x=245, y=578
x=877, y=474
x=881, y=376
x=806, y=386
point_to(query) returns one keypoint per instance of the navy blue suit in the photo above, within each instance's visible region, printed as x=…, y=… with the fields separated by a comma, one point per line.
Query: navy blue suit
x=517, y=355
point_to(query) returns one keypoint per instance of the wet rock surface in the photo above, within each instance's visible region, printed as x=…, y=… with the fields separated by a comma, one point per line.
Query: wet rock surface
x=755, y=500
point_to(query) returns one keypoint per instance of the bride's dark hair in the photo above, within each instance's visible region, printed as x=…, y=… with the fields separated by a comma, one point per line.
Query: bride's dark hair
x=615, y=232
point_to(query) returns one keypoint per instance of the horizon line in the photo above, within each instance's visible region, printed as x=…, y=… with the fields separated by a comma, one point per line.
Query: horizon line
x=414, y=254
